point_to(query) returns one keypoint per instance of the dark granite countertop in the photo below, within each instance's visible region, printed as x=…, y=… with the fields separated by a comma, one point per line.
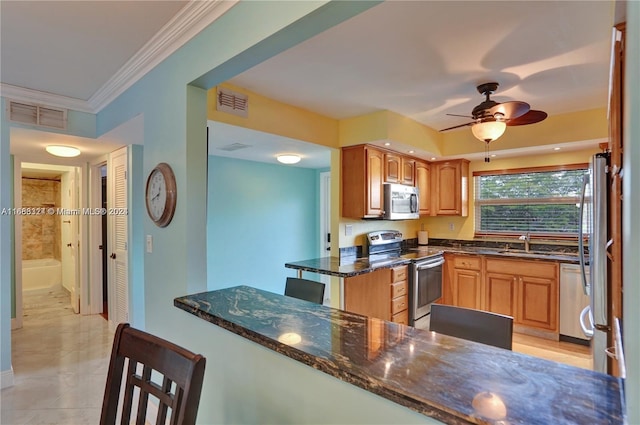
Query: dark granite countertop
x=450, y=379
x=335, y=266
x=350, y=266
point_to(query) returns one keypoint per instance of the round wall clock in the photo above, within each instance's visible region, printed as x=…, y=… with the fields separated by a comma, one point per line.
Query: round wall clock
x=161, y=194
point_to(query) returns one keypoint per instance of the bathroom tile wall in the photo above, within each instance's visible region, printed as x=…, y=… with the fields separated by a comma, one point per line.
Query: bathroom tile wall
x=40, y=232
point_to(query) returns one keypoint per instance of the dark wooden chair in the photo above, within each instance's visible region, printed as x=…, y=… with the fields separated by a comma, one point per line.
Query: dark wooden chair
x=177, y=393
x=474, y=325
x=308, y=290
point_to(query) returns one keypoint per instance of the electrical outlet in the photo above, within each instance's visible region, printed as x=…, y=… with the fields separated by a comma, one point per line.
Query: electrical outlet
x=348, y=230
x=451, y=227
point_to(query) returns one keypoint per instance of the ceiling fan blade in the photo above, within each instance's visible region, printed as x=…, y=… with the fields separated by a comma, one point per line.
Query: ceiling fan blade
x=458, y=126
x=463, y=116
x=510, y=110
x=531, y=117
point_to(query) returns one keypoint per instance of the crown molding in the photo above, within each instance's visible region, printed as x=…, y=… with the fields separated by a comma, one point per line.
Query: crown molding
x=21, y=94
x=189, y=21
x=185, y=25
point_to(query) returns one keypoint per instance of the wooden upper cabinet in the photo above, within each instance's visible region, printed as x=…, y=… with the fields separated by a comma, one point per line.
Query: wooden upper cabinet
x=408, y=171
x=450, y=194
x=392, y=168
x=362, y=178
x=423, y=182
x=399, y=169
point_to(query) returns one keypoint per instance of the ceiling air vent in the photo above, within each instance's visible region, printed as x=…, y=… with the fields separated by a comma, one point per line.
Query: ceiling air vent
x=233, y=147
x=233, y=102
x=37, y=115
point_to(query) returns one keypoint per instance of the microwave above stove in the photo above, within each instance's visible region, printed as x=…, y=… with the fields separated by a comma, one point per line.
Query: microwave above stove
x=401, y=202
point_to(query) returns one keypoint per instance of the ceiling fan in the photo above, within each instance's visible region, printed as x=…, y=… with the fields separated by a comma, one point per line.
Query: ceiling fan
x=491, y=118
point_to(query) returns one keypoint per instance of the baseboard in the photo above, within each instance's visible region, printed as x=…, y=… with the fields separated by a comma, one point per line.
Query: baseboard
x=540, y=333
x=16, y=323
x=6, y=378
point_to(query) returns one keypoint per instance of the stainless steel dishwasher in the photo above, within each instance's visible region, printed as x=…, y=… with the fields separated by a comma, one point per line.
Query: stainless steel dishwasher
x=572, y=302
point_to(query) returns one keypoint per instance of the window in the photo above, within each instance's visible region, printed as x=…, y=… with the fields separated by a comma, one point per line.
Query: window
x=542, y=201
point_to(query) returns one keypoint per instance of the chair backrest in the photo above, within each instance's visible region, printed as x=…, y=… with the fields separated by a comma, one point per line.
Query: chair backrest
x=473, y=325
x=177, y=390
x=308, y=290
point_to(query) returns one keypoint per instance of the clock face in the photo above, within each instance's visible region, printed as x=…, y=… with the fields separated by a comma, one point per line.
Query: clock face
x=161, y=194
x=157, y=194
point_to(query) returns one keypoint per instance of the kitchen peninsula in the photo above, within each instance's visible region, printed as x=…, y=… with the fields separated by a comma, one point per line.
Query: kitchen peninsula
x=445, y=378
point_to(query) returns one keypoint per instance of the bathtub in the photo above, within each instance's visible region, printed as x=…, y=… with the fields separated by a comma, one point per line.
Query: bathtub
x=43, y=274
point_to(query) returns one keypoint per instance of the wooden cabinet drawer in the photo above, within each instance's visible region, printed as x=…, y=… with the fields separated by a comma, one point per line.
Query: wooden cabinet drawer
x=399, y=273
x=402, y=317
x=544, y=269
x=399, y=304
x=399, y=289
x=467, y=262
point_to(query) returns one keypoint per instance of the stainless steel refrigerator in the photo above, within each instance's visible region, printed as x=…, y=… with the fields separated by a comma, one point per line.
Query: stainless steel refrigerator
x=593, y=213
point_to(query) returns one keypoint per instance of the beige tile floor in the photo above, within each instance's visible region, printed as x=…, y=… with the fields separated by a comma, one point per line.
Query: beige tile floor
x=60, y=362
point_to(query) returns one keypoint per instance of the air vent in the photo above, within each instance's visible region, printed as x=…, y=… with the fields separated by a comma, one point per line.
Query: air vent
x=37, y=115
x=233, y=102
x=233, y=147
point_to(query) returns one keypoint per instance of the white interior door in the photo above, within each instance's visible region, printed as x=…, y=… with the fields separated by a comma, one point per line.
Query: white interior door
x=69, y=225
x=118, y=236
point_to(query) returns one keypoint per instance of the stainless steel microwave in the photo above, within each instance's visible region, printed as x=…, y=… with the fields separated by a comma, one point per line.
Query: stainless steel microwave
x=400, y=202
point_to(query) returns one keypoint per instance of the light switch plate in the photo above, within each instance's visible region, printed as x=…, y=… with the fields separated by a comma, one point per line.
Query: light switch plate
x=149, y=243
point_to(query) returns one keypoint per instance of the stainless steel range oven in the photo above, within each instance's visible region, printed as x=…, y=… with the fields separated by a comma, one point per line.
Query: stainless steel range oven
x=425, y=271
x=426, y=287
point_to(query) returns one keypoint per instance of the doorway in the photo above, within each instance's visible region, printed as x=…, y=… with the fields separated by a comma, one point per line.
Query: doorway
x=104, y=246
x=48, y=228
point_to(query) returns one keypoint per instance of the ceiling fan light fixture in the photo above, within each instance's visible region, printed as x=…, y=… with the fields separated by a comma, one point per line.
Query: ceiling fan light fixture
x=63, y=151
x=488, y=131
x=288, y=158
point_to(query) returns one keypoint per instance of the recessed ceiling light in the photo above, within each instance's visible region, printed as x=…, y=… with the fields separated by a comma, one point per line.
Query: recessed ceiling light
x=411, y=152
x=493, y=155
x=387, y=144
x=288, y=158
x=63, y=151
x=433, y=158
x=556, y=149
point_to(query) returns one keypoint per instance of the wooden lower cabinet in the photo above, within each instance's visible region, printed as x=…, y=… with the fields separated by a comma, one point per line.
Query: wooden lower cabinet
x=524, y=289
x=467, y=288
x=462, y=281
x=538, y=302
x=501, y=294
x=382, y=294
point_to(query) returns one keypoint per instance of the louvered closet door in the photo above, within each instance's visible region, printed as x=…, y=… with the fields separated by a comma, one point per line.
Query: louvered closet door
x=118, y=237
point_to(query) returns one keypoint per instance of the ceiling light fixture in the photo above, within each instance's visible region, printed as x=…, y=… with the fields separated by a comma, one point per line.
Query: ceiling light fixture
x=488, y=130
x=63, y=151
x=288, y=158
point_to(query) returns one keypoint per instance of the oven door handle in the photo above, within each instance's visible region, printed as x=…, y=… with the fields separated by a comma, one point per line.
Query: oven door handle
x=430, y=264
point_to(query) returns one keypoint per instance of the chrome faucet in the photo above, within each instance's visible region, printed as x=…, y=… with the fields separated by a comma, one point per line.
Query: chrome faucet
x=527, y=241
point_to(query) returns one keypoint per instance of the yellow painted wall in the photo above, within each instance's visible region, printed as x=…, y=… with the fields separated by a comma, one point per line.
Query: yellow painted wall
x=279, y=118
x=439, y=227
x=565, y=128
x=387, y=125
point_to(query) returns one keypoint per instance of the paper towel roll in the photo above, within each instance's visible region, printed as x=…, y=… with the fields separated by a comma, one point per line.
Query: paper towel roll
x=423, y=237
